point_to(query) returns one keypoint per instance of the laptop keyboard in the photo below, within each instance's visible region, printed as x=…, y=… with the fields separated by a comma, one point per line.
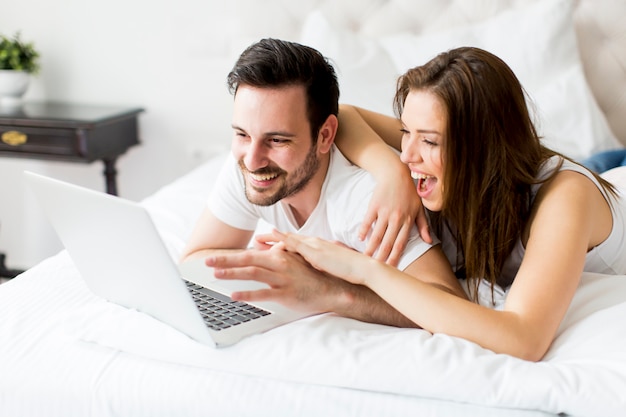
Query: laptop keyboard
x=221, y=312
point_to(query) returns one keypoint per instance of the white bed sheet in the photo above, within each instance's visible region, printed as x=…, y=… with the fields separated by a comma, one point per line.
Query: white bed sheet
x=64, y=352
x=45, y=370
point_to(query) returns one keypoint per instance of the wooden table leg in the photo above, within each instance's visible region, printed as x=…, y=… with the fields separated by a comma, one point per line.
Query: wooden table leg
x=110, y=175
x=6, y=272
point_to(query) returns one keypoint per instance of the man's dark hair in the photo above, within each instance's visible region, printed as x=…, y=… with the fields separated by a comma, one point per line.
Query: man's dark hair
x=272, y=63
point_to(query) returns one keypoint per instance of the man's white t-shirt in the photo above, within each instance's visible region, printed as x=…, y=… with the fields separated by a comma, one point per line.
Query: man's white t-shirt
x=345, y=195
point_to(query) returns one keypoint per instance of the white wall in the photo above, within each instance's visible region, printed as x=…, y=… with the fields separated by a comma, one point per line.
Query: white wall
x=169, y=57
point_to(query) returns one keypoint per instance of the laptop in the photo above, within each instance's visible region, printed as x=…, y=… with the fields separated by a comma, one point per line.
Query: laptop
x=120, y=255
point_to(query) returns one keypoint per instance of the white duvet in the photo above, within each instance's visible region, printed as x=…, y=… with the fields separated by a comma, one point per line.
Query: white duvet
x=584, y=372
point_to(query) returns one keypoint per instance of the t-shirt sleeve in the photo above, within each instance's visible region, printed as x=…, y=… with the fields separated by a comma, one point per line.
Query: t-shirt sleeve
x=415, y=248
x=227, y=200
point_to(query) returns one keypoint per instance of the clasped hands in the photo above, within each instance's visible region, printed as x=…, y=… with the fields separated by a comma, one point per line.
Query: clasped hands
x=291, y=280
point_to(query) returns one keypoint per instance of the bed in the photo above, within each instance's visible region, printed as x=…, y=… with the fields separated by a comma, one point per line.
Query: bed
x=65, y=352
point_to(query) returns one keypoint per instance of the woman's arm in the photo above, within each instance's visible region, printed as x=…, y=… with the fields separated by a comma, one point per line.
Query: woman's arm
x=365, y=136
x=395, y=205
x=569, y=217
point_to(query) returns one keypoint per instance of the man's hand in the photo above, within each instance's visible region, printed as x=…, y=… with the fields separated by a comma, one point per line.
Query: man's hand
x=291, y=280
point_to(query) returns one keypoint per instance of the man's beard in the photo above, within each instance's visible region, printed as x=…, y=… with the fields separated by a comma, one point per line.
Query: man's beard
x=301, y=178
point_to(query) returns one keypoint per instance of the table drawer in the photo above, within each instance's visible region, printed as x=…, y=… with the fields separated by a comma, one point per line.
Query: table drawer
x=45, y=141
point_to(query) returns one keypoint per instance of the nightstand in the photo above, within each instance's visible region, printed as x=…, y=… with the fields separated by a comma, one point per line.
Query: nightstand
x=70, y=132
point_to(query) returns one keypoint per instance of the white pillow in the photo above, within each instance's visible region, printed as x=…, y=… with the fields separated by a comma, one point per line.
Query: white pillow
x=537, y=41
x=366, y=73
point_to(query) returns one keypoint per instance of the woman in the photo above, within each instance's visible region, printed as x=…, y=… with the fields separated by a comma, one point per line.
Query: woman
x=506, y=209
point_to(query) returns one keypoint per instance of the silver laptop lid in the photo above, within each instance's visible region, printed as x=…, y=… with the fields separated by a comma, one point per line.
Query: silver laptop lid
x=115, y=247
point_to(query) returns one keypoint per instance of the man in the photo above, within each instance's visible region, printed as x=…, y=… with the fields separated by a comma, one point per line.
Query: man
x=285, y=170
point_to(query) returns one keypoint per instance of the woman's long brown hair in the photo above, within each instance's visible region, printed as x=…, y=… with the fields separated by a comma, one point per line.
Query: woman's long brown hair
x=492, y=155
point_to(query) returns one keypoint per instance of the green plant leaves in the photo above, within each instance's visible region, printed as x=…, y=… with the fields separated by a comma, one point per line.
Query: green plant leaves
x=18, y=55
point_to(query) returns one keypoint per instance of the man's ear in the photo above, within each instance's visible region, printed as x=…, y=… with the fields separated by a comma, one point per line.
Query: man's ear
x=326, y=135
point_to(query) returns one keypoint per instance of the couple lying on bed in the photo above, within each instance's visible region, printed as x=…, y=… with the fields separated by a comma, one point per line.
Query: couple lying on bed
x=503, y=208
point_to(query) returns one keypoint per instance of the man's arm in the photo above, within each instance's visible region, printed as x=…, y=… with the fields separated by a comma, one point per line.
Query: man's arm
x=211, y=235
x=294, y=283
x=361, y=303
x=434, y=269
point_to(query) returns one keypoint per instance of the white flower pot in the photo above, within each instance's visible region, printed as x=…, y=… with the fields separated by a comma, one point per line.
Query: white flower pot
x=13, y=85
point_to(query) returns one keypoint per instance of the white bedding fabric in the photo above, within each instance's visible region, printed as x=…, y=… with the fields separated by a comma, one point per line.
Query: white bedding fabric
x=65, y=352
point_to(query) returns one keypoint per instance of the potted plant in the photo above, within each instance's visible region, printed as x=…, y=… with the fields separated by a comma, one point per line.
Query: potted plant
x=18, y=61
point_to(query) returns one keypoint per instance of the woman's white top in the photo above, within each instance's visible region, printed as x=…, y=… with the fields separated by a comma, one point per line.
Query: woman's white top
x=609, y=257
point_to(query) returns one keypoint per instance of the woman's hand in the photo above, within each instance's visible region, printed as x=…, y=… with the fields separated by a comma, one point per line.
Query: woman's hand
x=329, y=257
x=289, y=279
x=393, y=209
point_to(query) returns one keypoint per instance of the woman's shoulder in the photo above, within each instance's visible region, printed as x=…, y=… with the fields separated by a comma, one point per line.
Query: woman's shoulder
x=556, y=164
x=558, y=175
x=559, y=167
x=575, y=195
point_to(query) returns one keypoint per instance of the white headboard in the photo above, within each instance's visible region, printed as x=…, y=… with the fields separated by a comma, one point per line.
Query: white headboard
x=599, y=25
x=602, y=43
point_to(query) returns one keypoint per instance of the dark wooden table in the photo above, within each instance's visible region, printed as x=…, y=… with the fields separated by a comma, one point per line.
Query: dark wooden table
x=70, y=132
